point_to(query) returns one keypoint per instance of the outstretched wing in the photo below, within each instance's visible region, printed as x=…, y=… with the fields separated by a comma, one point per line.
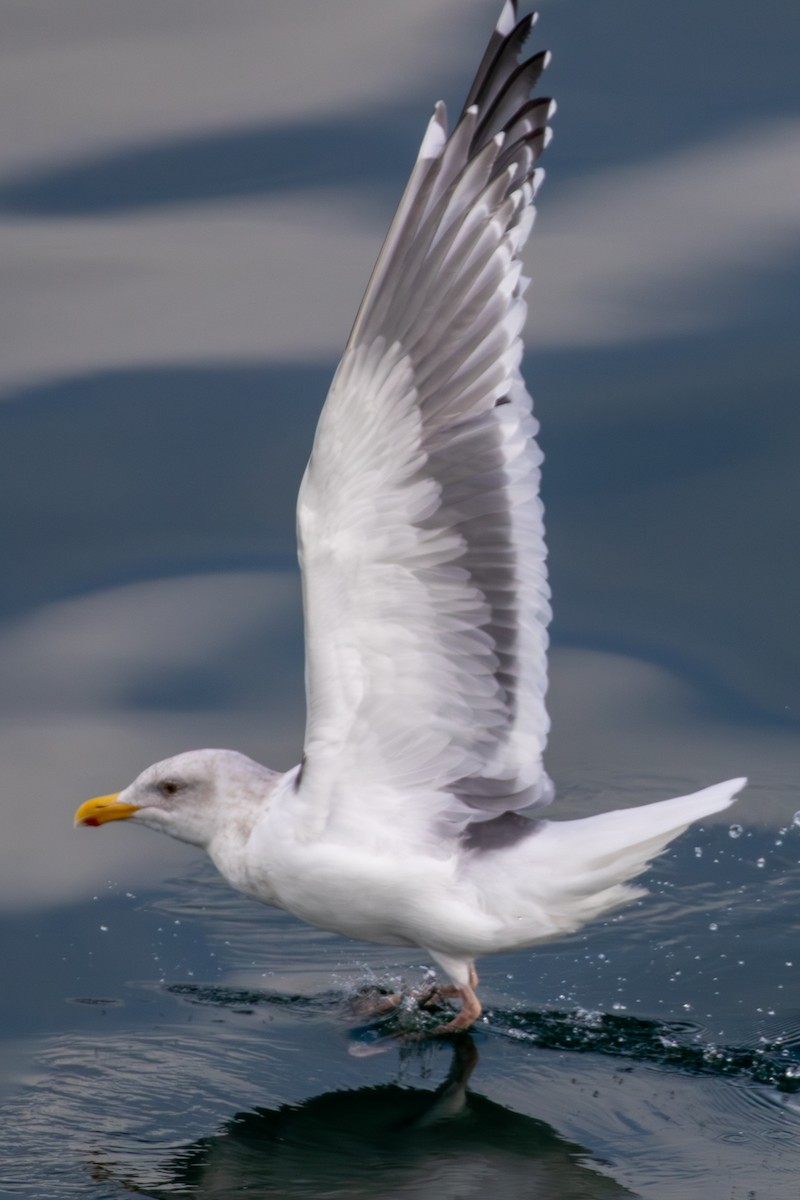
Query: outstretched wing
x=420, y=523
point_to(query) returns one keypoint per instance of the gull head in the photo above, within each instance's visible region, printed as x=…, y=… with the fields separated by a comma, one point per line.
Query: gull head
x=193, y=797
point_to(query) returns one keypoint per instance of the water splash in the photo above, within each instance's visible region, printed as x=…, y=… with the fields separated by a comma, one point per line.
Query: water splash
x=773, y=1062
x=776, y=1062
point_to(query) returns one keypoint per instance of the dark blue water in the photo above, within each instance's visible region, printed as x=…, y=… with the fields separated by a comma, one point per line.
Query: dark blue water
x=191, y=197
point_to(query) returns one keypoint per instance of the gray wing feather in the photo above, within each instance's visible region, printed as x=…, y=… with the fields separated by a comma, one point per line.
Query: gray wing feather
x=445, y=305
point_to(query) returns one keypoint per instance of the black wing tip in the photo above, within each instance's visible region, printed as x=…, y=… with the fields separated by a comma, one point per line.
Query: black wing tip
x=509, y=22
x=511, y=27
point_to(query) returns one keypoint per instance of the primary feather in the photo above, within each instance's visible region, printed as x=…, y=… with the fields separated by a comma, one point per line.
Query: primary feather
x=420, y=523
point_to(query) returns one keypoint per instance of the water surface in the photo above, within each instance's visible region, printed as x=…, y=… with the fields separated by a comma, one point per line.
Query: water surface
x=191, y=197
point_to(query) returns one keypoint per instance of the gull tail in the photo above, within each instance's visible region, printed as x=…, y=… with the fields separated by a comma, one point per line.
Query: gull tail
x=590, y=860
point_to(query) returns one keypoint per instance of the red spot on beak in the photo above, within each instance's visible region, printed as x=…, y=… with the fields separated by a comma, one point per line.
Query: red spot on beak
x=91, y=821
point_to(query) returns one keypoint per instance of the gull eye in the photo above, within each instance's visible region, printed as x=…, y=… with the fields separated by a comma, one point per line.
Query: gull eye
x=169, y=787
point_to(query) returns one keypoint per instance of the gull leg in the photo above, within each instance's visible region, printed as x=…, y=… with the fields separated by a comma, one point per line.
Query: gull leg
x=437, y=991
x=464, y=990
x=423, y=998
x=465, y=978
x=449, y=991
x=467, y=1015
x=374, y=1004
x=388, y=1003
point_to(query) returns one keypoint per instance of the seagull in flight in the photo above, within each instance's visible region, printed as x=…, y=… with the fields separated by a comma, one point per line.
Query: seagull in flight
x=414, y=818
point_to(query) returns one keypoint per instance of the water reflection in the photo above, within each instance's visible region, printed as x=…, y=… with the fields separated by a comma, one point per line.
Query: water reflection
x=383, y=1141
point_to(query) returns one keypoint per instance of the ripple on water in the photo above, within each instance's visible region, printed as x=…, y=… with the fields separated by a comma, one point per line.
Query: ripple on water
x=103, y=1103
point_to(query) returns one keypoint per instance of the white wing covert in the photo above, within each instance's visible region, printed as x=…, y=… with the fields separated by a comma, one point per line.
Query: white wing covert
x=419, y=518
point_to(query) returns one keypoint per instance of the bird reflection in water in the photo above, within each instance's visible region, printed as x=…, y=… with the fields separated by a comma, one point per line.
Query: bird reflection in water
x=382, y=1141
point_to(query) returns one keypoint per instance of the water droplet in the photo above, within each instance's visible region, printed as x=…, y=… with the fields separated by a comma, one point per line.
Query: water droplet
x=713, y=927
x=104, y=929
x=688, y=1007
x=736, y=831
x=761, y=862
x=698, y=851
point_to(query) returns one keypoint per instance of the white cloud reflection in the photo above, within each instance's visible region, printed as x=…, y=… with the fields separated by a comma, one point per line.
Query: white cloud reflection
x=660, y=249
x=81, y=77
x=668, y=246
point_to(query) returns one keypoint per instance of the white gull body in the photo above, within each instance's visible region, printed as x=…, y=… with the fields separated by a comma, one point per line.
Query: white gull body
x=414, y=818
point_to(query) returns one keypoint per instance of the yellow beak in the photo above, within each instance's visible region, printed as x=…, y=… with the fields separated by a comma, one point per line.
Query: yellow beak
x=102, y=809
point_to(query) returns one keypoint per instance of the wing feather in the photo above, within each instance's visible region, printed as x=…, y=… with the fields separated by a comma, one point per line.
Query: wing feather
x=420, y=523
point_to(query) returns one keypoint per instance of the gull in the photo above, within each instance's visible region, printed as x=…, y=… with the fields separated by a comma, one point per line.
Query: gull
x=413, y=818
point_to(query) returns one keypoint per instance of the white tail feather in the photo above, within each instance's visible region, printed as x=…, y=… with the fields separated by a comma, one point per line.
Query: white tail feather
x=622, y=842
x=574, y=871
